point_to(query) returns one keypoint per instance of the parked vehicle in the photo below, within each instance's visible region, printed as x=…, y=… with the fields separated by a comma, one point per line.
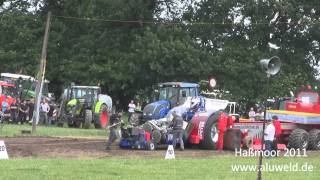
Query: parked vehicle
x=85, y=105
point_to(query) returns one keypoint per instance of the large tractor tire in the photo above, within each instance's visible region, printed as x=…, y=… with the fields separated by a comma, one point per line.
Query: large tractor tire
x=103, y=118
x=314, y=139
x=210, y=132
x=298, y=139
x=135, y=119
x=87, y=119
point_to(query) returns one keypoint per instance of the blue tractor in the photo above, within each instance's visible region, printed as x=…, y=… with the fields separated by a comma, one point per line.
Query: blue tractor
x=169, y=95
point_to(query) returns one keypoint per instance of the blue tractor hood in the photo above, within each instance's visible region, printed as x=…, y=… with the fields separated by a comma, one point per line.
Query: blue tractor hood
x=156, y=110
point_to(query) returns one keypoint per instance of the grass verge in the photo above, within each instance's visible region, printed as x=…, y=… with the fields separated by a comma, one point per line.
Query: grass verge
x=140, y=168
x=11, y=130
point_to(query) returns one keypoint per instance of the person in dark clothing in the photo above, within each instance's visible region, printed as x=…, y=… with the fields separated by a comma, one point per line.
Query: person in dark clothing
x=177, y=125
x=23, y=112
x=31, y=109
x=115, y=121
x=14, y=112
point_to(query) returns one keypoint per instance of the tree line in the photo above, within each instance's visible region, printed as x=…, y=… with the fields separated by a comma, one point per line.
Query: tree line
x=128, y=46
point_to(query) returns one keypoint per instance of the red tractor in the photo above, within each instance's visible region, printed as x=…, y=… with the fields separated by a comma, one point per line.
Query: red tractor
x=7, y=93
x=299, y=117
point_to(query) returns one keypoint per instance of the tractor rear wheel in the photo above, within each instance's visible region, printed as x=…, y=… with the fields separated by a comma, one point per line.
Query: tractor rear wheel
x=87, y=119
x=135, y=119
x=298, y=139
x=314, y=139
x=103, y=118
x=211, y=132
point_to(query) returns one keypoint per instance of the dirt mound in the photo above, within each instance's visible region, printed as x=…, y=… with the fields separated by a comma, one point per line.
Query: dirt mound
x=48, y=147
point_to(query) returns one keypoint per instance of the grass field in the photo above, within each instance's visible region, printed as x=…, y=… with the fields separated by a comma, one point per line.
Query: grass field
x=112, y=168
x=11, y=130
x=140, y=167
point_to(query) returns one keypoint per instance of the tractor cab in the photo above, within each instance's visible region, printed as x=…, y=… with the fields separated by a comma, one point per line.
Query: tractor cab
x=86, y=95
x=8, y=94
x=176, y=93
x=7, y=89
x=25, y=85
x=169, y=95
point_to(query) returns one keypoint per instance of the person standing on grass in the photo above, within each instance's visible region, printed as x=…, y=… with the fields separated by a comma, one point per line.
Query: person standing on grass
x=31, y=109
x=252, y=114
x=45, y=108
x=14, y=111
x=4, y=104
x=278, y=130
x=7, y=114
x=115, y=121
x=131, y=108
x=269, y=133
x=23, y=112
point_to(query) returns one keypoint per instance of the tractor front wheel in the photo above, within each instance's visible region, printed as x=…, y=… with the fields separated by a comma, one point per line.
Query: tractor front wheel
x=298, y=139
x=103, y=118
x=150, y=146
x=314, y=139
x=87, y=119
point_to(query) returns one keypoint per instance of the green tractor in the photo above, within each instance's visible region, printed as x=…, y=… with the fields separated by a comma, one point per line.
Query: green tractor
x=82, y=106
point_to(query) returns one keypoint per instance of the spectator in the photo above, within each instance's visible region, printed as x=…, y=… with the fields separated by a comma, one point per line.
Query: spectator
x=138, y=107
x=259, y=114
x=45, y=108
x=23, y=112
x=50, y=114
x=54, y=115
x=4, y=104
x=252, y=114
x=131, y=108
x=277, y=126
x=14, y=111
x=31, y=109
x=7, y=114
x=269, y=133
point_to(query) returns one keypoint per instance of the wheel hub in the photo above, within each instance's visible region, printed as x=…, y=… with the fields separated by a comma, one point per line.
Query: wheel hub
x=304, y=141
x=214, y=134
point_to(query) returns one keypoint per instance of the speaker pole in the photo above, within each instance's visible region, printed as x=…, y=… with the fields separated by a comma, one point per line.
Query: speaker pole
x=263, y=128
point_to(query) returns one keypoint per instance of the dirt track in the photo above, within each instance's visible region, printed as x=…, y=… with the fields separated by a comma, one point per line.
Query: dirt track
x=47, y=147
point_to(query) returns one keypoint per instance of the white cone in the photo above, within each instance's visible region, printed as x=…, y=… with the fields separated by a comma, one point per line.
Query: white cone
x=3, y=151
x=170, y=152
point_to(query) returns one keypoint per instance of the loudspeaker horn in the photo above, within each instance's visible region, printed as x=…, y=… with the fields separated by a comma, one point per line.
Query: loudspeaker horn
x=271, y=66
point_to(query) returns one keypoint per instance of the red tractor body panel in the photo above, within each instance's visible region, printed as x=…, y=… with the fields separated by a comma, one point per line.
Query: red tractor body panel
x=196, y=128
x=306, y=101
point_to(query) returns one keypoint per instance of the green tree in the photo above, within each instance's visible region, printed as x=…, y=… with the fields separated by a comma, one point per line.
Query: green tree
x=237, y=34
